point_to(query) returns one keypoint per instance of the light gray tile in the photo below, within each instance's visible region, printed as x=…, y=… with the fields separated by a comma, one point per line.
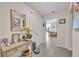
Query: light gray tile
x=49, y=49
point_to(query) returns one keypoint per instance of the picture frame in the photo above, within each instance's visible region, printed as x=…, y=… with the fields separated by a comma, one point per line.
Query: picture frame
x=18, y=20
x=15, y=37
x=62, y=21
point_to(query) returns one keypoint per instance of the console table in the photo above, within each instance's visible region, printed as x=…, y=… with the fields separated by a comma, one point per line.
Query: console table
x=15, y=49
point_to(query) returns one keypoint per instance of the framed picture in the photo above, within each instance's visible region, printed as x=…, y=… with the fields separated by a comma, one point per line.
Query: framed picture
x=18, y=20
x=16, y=37
x=62, y=21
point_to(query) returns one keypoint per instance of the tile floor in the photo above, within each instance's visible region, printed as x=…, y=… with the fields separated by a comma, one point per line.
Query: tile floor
x=49, y=49
x=50, y=52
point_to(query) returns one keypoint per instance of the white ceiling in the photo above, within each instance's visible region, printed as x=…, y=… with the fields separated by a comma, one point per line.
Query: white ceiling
x=45, y=8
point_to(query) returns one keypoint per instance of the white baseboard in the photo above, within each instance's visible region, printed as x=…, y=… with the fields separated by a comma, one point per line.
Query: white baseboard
x=68, y=48
x=40, y=44
x=64, y=47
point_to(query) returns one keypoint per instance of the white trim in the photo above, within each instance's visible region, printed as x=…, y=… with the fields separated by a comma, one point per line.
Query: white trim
x=40, y=44
x=64, y=47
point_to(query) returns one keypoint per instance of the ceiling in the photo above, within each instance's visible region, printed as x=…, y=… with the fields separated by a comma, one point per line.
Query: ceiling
x=45, y=8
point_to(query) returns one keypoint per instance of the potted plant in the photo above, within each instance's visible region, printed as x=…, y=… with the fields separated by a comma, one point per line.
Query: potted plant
x=26, y=33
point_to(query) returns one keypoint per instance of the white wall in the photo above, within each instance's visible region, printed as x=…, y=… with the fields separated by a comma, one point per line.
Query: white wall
x=33, y=19
x=64, y=31
x=75, y=40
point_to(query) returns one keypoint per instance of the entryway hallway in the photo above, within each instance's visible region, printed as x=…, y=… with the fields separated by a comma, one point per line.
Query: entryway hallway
x=49, y=49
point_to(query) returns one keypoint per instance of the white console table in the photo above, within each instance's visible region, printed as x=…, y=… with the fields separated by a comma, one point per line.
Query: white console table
x=15, y=49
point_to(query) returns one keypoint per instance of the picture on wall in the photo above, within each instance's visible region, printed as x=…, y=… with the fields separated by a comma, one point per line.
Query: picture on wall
x=18, y=20
x=62, y=21
x=16, y=37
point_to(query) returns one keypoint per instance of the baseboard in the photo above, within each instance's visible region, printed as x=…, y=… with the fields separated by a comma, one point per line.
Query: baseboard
x=58, y=45
x=64, y=47
x=40, y=44
x=68, y=48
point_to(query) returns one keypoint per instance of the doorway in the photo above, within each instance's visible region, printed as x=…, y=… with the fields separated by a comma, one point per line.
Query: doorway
x=51, y=33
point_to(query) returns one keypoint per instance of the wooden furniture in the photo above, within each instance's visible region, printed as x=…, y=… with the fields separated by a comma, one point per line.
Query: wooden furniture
x=15, y=49
x=53, y=34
